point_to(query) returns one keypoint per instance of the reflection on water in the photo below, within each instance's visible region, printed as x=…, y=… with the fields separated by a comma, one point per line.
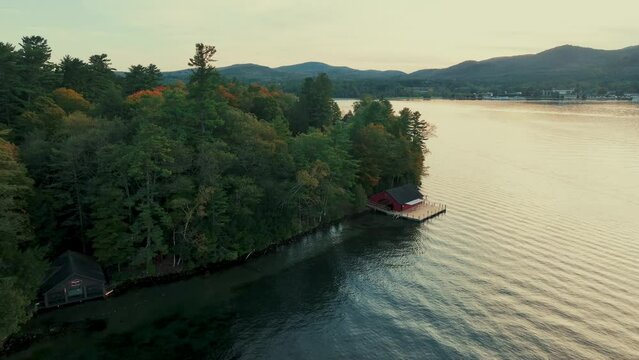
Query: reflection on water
x=536, y=258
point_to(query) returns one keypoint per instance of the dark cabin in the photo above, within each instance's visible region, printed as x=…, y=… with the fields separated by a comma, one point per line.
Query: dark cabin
x=72, y=277
x=400, y=198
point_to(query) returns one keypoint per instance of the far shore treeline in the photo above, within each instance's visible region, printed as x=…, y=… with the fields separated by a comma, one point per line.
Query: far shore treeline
x=150, y=179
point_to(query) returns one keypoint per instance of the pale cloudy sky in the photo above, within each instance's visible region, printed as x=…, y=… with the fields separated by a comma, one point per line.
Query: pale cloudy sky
x=393, y=34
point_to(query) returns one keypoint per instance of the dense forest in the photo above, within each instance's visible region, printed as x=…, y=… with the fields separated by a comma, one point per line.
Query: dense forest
x=151, y=178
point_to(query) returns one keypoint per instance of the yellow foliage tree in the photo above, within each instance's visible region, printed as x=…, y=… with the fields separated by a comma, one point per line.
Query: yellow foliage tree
x=70, y=100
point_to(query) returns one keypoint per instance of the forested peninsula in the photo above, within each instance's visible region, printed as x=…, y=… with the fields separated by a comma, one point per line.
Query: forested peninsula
x=151, y=179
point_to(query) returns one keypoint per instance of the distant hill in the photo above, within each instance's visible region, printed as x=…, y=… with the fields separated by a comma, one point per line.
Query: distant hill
x=251, y=73
x=561, y=66
x=341, y=72
x=297, y=72
x=170, y=77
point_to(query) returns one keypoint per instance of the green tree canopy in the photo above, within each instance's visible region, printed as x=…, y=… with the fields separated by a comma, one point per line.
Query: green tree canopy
x=21, y=266
x=315, y=107
x=142, y=78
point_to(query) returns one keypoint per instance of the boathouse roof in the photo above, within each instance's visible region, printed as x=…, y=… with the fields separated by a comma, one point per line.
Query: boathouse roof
x=72, y=263
x=405, y=194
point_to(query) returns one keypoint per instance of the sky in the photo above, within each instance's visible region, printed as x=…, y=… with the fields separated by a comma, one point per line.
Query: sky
x=403, y=35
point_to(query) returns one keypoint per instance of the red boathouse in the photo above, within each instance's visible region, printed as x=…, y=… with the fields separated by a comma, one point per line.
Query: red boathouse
x=399, y=199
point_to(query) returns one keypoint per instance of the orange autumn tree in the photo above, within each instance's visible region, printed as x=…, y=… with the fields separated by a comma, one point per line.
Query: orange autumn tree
x=226, y=93
x=137, y=96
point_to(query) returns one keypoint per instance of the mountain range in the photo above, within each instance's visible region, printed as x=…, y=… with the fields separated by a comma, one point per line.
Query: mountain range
x=564, y=63
x=265, y=74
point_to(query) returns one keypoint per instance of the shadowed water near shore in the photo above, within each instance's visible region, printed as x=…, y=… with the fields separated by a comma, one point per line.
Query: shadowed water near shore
x=535, y=258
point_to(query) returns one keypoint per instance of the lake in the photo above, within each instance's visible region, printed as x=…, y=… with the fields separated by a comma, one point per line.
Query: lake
x=537, y=257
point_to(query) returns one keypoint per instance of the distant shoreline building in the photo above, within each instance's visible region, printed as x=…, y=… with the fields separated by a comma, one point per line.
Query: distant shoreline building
x=565, y=94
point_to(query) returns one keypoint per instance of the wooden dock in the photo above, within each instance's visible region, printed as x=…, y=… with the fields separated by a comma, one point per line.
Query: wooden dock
x=419, y=213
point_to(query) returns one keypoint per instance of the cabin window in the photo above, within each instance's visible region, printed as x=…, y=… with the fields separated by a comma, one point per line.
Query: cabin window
x=75, y=292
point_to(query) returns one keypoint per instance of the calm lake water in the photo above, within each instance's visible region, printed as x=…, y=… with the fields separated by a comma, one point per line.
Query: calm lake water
x=537, y=257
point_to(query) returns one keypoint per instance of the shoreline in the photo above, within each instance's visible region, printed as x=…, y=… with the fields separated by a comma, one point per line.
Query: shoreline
x=23, y=340
x=527, y=100
x=150, y=281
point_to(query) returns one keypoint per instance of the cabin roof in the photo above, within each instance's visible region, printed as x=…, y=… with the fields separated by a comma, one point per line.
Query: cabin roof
x=72, y=263
x=405, y=194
